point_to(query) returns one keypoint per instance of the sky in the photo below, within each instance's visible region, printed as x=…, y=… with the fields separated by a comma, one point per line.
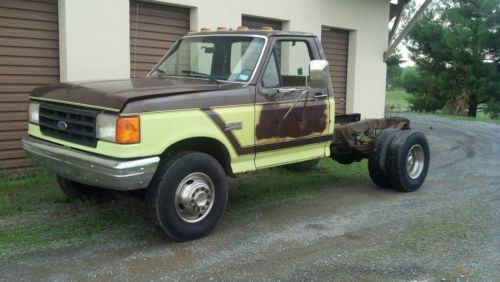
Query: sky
x=401, y=48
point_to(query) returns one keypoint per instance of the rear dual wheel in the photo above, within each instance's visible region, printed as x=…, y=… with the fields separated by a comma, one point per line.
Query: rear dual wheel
x=399, y=159
x=377, y=158
x=408, y=161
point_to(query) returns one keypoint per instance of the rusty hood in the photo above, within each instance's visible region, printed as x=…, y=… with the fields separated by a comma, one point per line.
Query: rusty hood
x=115, y=94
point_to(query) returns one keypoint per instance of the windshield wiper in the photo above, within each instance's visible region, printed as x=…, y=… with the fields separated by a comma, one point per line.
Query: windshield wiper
x=200, y=74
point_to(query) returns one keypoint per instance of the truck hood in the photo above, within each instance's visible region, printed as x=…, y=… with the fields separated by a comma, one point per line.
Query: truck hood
x=115, y=94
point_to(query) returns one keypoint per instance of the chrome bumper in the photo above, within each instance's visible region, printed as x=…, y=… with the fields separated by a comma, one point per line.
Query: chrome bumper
x=91, y=169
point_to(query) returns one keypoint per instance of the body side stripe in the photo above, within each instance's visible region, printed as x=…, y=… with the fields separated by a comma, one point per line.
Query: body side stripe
x=264, y=147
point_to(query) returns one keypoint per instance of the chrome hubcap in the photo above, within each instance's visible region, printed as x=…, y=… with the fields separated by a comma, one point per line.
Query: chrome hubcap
x=194, y=197
x=415, y=161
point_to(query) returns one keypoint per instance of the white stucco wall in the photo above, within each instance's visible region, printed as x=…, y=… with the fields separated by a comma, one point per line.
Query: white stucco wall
x=94, y=39
x=86, y=26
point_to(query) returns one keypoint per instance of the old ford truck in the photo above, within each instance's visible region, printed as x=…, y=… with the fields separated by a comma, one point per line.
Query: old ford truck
x=217, y=104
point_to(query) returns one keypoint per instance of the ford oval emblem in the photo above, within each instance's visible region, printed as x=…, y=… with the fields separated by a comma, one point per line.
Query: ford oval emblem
x=62, y=125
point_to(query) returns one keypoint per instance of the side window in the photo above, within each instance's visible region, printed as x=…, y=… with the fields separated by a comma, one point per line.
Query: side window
x=288, y=66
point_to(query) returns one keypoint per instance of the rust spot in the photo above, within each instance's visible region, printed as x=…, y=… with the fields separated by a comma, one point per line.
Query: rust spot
x=354, y=139
x=274, y=123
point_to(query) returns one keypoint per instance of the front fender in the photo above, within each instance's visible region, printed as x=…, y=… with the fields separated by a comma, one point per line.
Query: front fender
x=160, y=130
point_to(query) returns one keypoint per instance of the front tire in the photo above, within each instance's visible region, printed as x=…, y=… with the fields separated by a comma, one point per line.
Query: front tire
x=408, y=161
x=188, y=196
x=78, y=191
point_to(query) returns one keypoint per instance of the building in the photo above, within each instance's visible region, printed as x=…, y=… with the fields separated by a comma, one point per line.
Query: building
x=47, y=41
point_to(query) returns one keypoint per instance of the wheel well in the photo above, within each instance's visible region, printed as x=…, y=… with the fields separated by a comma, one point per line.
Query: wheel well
x=205, y=145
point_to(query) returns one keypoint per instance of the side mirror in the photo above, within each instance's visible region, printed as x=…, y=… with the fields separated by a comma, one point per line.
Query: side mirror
x=319, y=74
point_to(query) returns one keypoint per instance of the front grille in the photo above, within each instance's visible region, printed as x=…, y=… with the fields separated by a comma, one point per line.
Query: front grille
x=69, y=123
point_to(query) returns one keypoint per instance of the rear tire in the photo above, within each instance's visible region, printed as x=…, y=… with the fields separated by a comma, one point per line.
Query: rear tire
x=304, y=166
x=79, y=191
x=377, y=157
x=408, y=161
x=188, y=196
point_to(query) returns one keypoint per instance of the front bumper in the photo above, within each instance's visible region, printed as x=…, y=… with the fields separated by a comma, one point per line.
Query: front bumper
x=99, y=171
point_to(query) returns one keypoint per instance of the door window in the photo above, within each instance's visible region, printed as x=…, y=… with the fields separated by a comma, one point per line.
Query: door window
x=288, y=65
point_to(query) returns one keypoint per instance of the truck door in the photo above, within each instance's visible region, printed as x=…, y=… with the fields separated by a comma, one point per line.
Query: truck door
x=292, y=120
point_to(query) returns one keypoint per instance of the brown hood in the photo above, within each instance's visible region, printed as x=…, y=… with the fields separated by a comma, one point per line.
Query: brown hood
x=115, y=94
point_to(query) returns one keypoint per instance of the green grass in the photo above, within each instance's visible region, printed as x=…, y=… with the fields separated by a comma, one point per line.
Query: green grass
x=21, y=193
x=35, y=215
x=281, y=185
x=76, y=226
x=396, y=101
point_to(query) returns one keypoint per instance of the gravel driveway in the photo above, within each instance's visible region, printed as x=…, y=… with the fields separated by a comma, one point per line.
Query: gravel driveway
x=449, y=230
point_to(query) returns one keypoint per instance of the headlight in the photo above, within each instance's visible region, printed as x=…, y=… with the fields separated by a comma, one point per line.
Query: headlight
x=34, y=112
x=106, y=127
x=123, y=130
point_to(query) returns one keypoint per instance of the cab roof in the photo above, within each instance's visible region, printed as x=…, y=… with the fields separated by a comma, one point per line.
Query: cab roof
x=267, y=33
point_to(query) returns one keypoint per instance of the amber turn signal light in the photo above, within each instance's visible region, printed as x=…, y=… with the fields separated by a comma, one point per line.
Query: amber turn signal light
x=128, y=130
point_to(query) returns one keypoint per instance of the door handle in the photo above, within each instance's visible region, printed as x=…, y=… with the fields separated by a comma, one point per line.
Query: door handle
x=320, y=96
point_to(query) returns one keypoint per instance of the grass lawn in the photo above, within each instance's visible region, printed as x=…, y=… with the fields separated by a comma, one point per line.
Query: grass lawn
x=36, y=216
x=396, y=100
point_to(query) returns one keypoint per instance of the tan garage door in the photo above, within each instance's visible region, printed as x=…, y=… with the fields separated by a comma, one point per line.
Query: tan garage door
x=336, y=45
x=257, y=23
x=153, y=29
x=29, y=57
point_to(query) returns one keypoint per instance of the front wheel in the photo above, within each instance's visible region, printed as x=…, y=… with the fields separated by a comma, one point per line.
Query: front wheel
x=188, y=196
x=408, y=161
x=79, y=191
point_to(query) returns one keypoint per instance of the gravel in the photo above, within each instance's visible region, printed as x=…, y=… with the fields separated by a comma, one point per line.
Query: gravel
x=447, y=231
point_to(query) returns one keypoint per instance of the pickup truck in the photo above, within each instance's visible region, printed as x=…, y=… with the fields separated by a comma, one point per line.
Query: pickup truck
x=218, y=104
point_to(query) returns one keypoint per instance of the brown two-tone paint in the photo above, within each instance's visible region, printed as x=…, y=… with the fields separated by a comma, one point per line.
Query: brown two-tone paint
x=116, y=94
x=290, y=119
x=240, y=150
x=234, y=95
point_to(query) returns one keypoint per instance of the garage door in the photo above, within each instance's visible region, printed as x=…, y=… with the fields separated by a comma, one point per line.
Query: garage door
x=336, y=45
x=257, y=23
x=29, y=57
x=153, y=29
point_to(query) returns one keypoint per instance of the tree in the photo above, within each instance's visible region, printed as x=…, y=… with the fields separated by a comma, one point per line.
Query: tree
x=455, y=46
x=413, y=81
x=394, y=71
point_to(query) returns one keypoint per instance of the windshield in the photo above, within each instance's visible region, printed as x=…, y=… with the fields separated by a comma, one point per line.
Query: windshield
x=226, y=58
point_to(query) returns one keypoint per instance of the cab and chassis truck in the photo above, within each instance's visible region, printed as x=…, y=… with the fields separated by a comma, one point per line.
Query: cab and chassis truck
x=218, y=104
